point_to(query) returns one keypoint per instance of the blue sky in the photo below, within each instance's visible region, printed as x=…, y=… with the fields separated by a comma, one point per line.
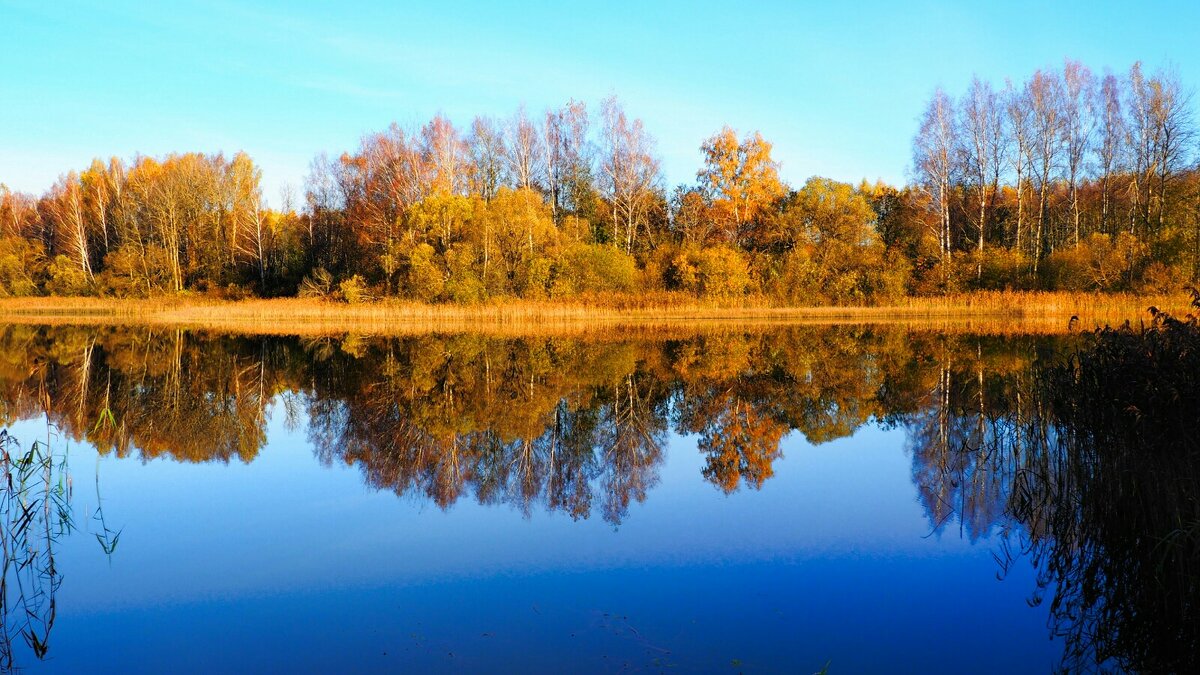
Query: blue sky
x=836, y=86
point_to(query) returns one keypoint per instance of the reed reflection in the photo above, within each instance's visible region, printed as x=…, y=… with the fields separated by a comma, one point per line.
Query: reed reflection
x=35, y=513
x=1089, y=468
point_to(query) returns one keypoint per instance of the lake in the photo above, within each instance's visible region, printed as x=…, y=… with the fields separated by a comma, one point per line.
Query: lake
x=782, y=499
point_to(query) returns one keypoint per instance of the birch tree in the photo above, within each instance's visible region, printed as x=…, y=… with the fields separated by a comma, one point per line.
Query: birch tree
x=1111, y=147
x=934, y=160
x=630, y=170
x=1045, y=93
x=1021, y=131
x=985, y=140
x=70, y=224
x=485, y=146
x=1078, y=125
x=523, y=143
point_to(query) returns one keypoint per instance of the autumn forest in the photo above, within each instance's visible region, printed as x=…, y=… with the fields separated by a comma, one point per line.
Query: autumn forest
x=1071, y=180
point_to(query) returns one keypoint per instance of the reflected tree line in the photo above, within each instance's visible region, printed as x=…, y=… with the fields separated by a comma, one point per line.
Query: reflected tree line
x=569, y=424
x=1039, y=444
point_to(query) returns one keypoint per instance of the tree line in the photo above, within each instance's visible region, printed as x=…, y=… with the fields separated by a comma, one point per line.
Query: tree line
x=1068, y=181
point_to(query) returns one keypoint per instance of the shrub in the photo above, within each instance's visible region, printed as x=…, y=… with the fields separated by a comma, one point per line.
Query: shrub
x=67, y=278
x=1069, y=269
x=318, y=285
x=715, y=272
x=354, y=290
x=843, y=275
x=233, y=292
x=653, y=275
x=1158, y=277
x=463, y=282
x=21, y=263
x=425, y=279
x=682, y=273
x=586, y=268
x=1105, y=263
x=465, y=289
x=135, y=272
x=1003, y=269
x=889, y=281
x=722, y=272
x=536, y=280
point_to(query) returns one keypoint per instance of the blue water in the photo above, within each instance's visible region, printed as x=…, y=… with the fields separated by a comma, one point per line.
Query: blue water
x=284, y=564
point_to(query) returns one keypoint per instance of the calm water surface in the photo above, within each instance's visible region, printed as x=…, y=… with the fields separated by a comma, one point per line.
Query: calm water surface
x=724, y=502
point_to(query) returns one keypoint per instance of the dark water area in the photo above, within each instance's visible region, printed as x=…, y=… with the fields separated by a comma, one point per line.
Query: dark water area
x=854, y=499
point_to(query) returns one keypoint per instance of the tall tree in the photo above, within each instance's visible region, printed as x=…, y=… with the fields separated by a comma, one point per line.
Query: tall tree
x=691, y=216
x=1175, y=134
x=1154, y=140
x=1020, y=128
x=567, y=156
x=935, y=152
x=983, y=128
x=101, y=191
x=70, y=222
x=1111, y=148
x=18, y=215
x=249, y=215
x=523, y=142
x=444, y=153
x=1045, y=93
x=486, y=147
x=328, y=232
x=630, y=170
x=391, y=172
x=1078, y=125
x=741, y=178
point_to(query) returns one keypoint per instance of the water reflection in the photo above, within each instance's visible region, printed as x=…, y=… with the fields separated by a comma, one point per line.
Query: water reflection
x=580, y=426
x=573, y=425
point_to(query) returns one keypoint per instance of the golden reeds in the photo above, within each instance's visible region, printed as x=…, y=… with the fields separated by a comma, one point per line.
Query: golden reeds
x=974, y=311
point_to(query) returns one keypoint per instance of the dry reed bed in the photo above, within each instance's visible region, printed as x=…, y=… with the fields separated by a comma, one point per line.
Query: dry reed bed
x=977, y=312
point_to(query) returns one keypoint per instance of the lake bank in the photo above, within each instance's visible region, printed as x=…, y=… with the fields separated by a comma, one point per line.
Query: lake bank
x=989, y=312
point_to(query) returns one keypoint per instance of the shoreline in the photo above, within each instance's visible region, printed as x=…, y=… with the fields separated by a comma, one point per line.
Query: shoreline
x=974, y=311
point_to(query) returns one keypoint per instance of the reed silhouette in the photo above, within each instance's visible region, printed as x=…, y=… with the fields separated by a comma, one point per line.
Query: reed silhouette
x=1121, y=512
x=1088, y=466
x=35, y=513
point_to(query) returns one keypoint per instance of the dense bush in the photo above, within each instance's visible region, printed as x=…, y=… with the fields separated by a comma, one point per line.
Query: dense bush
x=425, y=281
x=354, y=290
x=66, y=278
x=130, y=272
x=717, y=272
x=21, y=262
x=592, y=268
x=1099, y=263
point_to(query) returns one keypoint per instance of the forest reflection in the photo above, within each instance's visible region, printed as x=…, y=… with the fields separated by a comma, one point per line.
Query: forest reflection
x=578, y=425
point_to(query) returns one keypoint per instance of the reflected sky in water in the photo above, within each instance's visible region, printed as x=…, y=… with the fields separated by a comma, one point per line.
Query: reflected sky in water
x=289, y=562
